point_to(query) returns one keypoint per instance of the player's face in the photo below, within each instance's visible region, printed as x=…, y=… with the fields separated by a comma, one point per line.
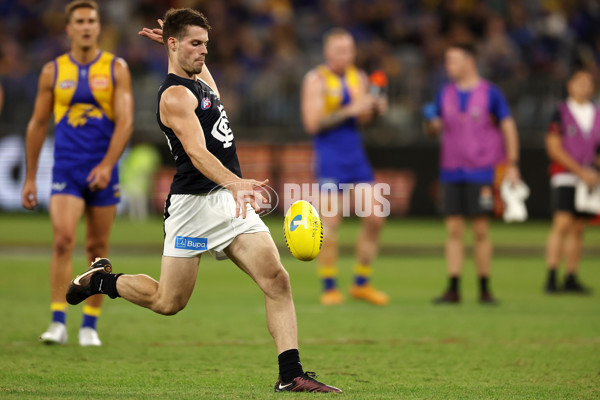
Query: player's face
x=457, y=62
x=192, y=50
x=581, y=86
x=340, y=52
x=84, y=27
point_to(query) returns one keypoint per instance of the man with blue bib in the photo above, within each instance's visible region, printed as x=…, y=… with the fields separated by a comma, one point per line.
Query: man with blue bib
x=335, y=100
x=477, y=134
x=89, y=92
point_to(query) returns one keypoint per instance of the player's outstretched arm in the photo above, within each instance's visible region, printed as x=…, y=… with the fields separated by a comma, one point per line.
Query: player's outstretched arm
x=556, y=152
x=100, y=175
x=177, y=105
x=155, y=34
x=37, y=129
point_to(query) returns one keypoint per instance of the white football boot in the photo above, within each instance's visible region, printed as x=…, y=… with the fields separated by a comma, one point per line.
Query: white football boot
x=56, y=334
x=89, y=337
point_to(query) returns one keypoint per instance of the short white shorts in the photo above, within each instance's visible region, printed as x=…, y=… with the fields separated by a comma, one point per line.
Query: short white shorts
x=195, y=223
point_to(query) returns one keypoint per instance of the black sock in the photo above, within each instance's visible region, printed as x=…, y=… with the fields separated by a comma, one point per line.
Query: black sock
x=483, y=284
x=454, y=283
x=552, y=275
x=570, y=277
x=289, y=365
x=106, y=284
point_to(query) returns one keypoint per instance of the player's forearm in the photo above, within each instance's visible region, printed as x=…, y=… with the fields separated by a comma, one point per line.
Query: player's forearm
x=334, y=119
x=511, y=140
x=120, y=138
x=211, y=167
x=34, y=139
x=433, y=127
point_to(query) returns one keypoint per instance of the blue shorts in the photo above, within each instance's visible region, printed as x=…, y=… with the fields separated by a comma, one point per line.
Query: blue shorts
x=73, y=181
x=355, y=169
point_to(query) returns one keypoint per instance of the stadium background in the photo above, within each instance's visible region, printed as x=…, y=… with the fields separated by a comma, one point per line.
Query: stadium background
x=261, y=50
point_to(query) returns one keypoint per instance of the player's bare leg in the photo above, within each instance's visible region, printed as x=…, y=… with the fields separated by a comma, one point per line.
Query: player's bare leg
x=328, y=257
x=483, y=256
x=99, y=222
x=573, y=249
x=257, y=255
x=167, y=296
x=65, y=212
x=455, y=254
x=561, y=224
x=367, y=247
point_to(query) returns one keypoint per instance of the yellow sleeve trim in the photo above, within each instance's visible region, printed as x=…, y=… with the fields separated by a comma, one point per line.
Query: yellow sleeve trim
x=58, y=306
x=93, y=311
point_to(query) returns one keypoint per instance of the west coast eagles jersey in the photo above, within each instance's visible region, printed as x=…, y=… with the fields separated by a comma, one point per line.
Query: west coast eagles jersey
x=83, y=109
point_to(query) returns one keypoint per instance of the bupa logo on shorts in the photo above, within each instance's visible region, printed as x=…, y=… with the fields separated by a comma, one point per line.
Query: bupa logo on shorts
x=205, y=103
x=298, y=220
x=190, y=243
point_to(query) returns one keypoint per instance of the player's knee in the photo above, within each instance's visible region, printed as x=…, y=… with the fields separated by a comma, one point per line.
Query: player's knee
x=455, y=232
x=96, y=248
x=168, y=307
x=481, y=235
x=63, y=243
x=278, y=283
x=374, y=223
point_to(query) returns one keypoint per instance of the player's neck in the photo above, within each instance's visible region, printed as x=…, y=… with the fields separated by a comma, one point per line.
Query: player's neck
x=468, y=82
x=175, y=69
x=84, y=56
x=579, y=101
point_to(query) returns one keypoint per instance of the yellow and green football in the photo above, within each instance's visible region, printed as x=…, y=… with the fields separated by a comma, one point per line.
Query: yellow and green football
x=303, y=230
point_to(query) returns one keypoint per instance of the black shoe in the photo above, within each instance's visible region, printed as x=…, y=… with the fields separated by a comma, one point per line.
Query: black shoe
x=487, y=299
x=305, y=383
x=572, y=285
x=551, y=287
x=449, y=297
x=81, y=287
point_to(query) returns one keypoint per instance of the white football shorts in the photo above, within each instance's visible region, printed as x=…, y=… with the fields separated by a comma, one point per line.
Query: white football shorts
x=196, y=223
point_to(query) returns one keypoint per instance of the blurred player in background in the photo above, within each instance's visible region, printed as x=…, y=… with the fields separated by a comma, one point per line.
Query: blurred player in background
x=477, y=133
x=335, y=101
x=89, y=92
x=573, y=145
x=200, y=215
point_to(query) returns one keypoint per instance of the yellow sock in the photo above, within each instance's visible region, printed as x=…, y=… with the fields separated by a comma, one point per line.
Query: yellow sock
x=362, y=274
x=59, y=312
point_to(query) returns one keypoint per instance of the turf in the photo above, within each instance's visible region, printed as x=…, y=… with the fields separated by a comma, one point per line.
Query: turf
x=530, y=347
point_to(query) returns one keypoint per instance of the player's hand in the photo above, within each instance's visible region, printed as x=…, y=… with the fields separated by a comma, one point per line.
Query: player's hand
x=244, y=193
x=363, y=106
x=589, y=176
x=29, y=194
x=154, y=34
x=513, y=175
x=99, y=176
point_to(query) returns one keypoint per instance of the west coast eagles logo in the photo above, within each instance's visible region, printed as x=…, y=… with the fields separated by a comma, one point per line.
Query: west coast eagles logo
x=205, y=103
x=79, y=113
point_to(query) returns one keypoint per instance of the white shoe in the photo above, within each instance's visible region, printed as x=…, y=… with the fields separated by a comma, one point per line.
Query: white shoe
x=56, y=334
x=89, y=337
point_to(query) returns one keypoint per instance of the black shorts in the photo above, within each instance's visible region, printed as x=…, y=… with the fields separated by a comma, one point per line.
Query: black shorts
x=562, y=198
x=467, y=199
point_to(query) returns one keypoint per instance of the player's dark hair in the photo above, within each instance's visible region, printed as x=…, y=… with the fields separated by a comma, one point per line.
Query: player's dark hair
x=467, y=48
x=74, y=5
x=177, y=20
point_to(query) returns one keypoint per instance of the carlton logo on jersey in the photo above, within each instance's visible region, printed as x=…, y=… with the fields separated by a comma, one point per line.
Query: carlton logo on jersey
x=221, y=129
x=79, y=114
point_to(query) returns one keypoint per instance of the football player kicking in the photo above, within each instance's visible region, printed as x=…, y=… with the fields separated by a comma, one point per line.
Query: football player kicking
x=199, y=219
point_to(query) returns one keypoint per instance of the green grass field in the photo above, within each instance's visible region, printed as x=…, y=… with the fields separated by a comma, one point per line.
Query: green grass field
x=530, y=347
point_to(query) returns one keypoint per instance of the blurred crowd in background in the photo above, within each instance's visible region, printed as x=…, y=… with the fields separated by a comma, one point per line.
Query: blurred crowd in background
x=261, y=49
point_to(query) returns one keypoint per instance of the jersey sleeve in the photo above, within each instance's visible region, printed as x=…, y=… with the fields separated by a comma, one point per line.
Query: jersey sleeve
x=554, y=127
x=498, y=104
